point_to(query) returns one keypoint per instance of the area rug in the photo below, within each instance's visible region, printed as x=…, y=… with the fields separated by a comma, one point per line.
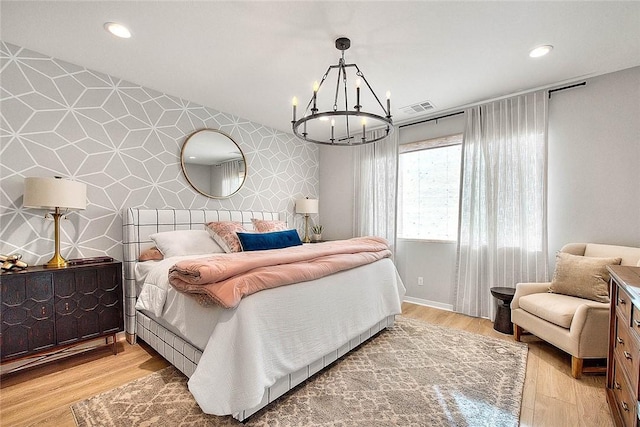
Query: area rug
x=412, y=374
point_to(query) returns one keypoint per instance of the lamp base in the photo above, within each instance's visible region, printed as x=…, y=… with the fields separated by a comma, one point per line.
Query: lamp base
x=56, y=262
x=306, y=229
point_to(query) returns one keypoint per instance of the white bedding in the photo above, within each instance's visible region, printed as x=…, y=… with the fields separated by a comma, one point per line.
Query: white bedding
x=177, y=312
x=271, y=333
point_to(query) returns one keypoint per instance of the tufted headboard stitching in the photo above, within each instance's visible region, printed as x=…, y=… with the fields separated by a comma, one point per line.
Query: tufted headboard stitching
x=139, y=223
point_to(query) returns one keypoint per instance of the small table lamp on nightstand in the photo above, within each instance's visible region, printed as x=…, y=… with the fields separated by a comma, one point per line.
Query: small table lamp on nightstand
x=57, y=194
x=306, y=206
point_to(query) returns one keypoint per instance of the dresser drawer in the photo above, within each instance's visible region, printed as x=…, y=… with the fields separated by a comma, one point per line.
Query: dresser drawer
x=635, y=321
x=624, y=397
x=624, y=305
x=626, y=349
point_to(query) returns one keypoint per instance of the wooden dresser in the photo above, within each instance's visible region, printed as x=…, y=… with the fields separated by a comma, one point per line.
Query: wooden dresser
x=623, y=368
x=45, y=309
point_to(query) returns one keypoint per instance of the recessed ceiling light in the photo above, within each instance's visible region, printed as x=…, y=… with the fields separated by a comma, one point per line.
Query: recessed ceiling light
x=117, y=30
x=540, y=51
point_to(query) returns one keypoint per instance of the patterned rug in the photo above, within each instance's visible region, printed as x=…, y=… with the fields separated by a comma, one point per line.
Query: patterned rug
x=413, y=374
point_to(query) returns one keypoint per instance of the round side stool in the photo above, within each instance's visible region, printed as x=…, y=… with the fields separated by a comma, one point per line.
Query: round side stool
x=502, y=323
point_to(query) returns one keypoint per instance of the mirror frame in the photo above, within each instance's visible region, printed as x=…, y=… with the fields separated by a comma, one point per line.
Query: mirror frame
x=184, y=170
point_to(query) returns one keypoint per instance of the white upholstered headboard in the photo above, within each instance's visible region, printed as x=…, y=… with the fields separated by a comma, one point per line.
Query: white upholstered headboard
x=139, y=224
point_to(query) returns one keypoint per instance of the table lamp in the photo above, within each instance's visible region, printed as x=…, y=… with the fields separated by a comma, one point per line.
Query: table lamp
x=57, y=194
x=306, y=206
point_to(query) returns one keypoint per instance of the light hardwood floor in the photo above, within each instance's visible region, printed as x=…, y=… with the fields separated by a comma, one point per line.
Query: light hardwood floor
x=41, y=396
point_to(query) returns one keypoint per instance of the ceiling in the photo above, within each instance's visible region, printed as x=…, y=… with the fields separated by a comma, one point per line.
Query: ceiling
x=250, y=58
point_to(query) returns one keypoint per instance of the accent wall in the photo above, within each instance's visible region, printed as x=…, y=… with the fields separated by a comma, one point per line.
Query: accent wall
x=122, y=140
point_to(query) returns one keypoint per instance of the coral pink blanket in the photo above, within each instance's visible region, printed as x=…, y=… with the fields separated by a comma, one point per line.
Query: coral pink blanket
x=226, y=278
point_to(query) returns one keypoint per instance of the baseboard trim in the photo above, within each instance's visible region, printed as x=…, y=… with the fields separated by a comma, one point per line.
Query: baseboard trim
x=428, y=303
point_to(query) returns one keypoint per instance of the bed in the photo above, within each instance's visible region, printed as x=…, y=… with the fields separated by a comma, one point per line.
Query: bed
x=244, y=358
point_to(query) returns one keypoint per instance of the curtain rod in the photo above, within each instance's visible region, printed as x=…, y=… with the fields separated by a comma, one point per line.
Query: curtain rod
x=566, y=87
x=431, y=119
x=583, y=83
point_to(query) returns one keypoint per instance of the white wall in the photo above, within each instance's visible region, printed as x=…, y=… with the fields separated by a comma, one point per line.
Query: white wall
x=594, y=162
x=594, y=179
x=435, y=263
x=336, y=192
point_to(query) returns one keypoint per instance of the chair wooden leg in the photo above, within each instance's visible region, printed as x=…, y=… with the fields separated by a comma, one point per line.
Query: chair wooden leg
x=517, y=332
x=576, y=367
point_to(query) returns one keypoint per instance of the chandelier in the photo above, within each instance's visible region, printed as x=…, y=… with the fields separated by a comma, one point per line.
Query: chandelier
x=326, y=123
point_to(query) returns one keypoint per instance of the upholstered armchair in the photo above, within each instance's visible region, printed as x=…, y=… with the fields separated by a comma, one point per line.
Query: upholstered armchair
x=572, y=311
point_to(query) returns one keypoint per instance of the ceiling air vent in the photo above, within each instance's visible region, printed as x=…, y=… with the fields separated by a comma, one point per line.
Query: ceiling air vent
x=420, y=107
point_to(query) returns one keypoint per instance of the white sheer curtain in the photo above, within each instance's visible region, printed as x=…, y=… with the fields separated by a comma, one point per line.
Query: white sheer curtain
x=230, y=176
x=503, y=220
x=375, y=189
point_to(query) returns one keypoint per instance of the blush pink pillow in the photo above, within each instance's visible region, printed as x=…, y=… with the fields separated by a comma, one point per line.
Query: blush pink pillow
x=224, y=233
x=266, y=226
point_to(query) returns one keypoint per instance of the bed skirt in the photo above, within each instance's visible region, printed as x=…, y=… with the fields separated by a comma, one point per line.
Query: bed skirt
x=185, y=356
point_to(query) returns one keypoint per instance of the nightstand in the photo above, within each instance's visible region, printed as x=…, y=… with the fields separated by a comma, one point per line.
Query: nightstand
x=44, y=309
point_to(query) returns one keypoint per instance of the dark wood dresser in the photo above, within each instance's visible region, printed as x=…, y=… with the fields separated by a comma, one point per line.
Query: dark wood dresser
x=45, y=309
x=623, y=367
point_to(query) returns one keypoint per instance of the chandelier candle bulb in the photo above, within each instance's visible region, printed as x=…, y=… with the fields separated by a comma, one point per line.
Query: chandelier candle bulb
x=388, y=103
x=316, y=86
x=333, y=124
x=294, y=101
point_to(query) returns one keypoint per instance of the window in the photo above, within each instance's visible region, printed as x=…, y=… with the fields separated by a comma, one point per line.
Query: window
x=429, y=189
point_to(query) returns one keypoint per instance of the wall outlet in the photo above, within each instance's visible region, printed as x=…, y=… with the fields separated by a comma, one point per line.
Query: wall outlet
x=420, y=281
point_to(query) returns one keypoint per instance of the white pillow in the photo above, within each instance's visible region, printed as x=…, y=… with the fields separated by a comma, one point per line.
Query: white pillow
x=185, y=242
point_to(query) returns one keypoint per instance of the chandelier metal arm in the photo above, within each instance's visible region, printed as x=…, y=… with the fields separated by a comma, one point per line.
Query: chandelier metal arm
x=342, y=70
x=335, y=99
x=324, y=77
x=361, y=74
x=346, y=100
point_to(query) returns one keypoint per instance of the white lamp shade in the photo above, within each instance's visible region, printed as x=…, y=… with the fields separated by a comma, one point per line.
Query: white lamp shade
x=49, y=193
x=307, y=206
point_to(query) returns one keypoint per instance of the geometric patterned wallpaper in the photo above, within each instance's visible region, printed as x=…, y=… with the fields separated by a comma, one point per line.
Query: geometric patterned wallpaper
x=122, y=140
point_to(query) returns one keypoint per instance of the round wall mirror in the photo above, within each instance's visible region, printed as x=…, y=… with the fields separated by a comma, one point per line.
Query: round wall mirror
x=213, y=163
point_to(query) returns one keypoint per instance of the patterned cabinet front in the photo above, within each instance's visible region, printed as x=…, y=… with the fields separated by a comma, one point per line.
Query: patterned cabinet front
x=27, y=314
x=44, y=308
x=88, y=302
x=110, y=315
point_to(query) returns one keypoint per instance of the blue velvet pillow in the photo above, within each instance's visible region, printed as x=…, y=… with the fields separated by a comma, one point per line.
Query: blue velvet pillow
x=273, y=240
